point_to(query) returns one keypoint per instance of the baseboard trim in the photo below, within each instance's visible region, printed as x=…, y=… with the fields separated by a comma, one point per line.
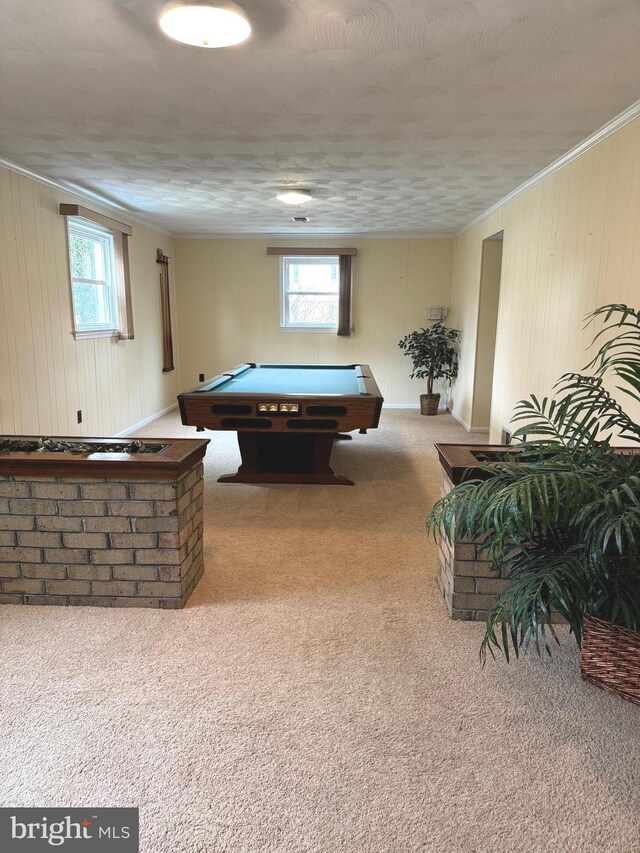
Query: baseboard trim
x=442, y=408
x=460, y=421
x=400, y=406
x=468, y=427
x=146, y=421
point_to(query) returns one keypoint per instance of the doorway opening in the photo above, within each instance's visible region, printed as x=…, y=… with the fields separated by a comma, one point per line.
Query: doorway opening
x=490, y=274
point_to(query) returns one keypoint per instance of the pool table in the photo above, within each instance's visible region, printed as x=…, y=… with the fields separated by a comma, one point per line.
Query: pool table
x=287, y=417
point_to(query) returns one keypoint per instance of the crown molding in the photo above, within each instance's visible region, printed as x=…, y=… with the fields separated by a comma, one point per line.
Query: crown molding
x=96, y=198
x=314, y=235
x=81, y=192
x=601, y=134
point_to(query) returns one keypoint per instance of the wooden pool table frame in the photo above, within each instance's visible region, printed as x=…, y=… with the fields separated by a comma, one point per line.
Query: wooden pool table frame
x=284, y=447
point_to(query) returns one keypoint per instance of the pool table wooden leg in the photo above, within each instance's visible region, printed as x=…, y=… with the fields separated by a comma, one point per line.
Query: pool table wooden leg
x=322, y=447
x=286, y=458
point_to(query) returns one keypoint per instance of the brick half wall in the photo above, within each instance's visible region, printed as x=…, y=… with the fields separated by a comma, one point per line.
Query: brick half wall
x=98, y=541
x=468, y=582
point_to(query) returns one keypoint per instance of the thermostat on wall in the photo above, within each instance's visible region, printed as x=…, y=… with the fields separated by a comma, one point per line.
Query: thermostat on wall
x=437, y=312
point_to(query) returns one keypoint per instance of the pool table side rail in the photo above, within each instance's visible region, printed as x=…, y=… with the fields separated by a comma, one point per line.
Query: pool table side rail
x=364, y=378
x=369, y=383
x=222, y=378
x=363, y=409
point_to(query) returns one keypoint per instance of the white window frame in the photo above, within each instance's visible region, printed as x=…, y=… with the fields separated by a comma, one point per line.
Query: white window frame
x=119, y=277
x=78, y=227
x=285, y=292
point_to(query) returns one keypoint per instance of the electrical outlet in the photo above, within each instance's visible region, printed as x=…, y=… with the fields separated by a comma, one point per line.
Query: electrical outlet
x=201, y=377
x=79, y=416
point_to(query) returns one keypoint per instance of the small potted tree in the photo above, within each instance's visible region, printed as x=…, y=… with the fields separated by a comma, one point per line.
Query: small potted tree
x=434, y=352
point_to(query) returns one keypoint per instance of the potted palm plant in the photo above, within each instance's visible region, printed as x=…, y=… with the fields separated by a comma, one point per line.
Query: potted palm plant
x=564, y=516
x=434, y=353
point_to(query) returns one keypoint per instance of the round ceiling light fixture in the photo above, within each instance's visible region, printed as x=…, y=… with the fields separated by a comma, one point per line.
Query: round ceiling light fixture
x=205, y=23
x=294, y=196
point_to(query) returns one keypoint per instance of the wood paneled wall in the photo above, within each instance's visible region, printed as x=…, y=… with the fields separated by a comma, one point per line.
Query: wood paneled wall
x=229, y=307
x=45, y=375
x=571, y=243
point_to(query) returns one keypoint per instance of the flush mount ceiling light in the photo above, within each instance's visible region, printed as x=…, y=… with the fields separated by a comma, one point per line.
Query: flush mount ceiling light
x=205, y=23
x=294, y=196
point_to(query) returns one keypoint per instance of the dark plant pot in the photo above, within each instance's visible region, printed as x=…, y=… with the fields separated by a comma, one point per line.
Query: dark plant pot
x=610, y=658
x=429, y=404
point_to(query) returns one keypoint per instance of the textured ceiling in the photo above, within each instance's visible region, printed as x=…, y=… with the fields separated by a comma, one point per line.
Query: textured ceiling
x=401, y=116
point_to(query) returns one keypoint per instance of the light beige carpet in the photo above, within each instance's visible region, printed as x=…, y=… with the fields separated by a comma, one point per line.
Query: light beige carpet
x=314, y=695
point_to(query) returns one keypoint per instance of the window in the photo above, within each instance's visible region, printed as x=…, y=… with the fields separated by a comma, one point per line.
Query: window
x=93, y=283
x=310, y=292
x=99, y=271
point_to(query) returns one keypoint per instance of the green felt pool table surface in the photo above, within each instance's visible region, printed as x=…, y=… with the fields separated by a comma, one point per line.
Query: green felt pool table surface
x=274, y=379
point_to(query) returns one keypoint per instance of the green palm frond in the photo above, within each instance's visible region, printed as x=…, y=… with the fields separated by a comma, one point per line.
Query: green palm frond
x=541, y=581
x=593, y=411
x=583, y=412
x=621, y=353
x=512, y=499
x=613, y=520
x=614, y=589
x=564, y=519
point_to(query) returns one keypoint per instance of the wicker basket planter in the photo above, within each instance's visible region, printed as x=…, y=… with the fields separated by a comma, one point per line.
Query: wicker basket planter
x=610, y=658
x=429, y=404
